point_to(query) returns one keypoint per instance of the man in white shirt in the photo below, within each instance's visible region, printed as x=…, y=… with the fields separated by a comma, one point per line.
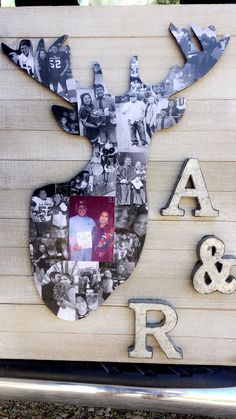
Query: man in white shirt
x=135, y=111
x=80, y=234
x=26, y=59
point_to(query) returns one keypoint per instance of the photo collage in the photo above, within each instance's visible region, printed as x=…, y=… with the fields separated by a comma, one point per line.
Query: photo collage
x=87, y=234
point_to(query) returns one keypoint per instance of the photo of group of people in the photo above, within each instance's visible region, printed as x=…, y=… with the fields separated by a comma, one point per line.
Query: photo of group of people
x=97, y=112
x=48, y=230
x=141, y=113
x=97, y=122
x=99, y=176
x=130, y=232
x=51, y=67
x=67, y=119
x=198, y=62
x=127, y=248
x=72, y=289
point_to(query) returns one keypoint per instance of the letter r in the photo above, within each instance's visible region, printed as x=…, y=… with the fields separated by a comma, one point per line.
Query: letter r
x=159, y=329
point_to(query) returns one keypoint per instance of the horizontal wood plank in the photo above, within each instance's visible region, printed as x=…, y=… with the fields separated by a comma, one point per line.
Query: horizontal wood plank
x=107, y=21
x=166, y=146
x=28, y=319
x=47, y=145
x=57, y=346
x=15, y=261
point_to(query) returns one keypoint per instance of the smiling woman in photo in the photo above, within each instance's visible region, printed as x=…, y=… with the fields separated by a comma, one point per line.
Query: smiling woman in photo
x=103, y=239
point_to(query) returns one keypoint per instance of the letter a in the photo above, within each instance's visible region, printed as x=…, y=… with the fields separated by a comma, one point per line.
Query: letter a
x=191, y=171
x=159, y=329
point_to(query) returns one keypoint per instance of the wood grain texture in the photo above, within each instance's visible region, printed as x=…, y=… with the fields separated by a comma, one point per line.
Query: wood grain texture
x=33, y=152
x=166, y=146
x=73, y=346
x=116, y=21
x=29, y=319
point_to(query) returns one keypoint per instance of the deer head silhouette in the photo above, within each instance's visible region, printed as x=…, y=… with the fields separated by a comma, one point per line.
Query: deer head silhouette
x=86, y=234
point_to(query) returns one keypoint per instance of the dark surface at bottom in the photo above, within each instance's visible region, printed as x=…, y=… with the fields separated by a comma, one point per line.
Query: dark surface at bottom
x=138, y=375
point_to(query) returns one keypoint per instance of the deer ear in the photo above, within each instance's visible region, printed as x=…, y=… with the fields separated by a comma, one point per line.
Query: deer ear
x=170, y=112
x=67, y=119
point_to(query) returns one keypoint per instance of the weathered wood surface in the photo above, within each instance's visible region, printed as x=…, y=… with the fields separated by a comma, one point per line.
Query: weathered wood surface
x=165, y=146
x=71, y=346
x=118, y=21
x=34, y=151
x=38, y=321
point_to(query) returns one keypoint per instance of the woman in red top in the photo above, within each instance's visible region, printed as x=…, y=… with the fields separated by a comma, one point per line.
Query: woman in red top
x=103, y=239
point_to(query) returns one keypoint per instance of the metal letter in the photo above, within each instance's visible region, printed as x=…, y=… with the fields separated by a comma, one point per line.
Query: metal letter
x=191, y=171
x=159, y=329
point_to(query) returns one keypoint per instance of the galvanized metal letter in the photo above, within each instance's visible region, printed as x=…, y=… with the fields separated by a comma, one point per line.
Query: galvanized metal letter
x=190, y=171
x=158, y=329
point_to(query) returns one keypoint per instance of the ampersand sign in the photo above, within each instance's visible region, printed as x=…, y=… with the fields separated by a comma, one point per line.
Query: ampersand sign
x=212, y=272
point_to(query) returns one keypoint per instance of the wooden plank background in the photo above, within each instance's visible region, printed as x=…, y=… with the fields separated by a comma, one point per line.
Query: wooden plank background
x=35, y=151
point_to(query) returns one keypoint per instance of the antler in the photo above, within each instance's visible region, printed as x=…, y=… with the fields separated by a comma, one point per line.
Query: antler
x=52, y=68
x=198, y=61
